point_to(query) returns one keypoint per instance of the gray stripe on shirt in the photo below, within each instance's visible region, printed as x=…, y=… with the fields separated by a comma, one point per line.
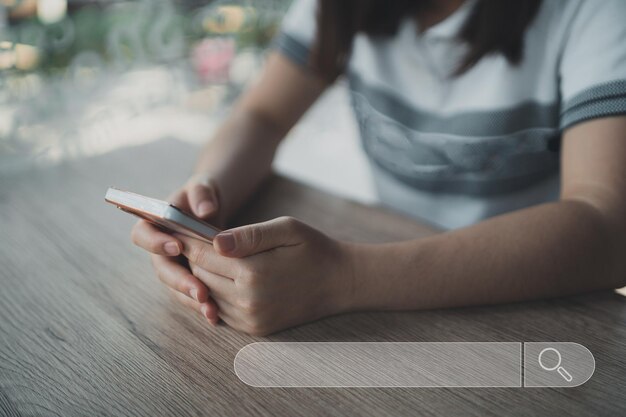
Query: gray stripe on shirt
x=524, y=116
x=603, y=100
x=292, y=48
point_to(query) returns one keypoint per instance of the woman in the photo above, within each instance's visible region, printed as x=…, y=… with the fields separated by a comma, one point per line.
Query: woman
x=506, y=118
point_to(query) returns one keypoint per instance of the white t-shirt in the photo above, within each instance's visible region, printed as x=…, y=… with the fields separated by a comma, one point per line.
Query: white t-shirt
x=456, y=150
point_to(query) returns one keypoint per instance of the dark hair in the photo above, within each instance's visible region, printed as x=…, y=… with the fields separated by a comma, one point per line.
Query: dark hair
x=494, y=26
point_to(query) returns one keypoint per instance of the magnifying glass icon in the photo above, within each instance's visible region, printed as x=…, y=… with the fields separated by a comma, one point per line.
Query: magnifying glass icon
x=566, y=375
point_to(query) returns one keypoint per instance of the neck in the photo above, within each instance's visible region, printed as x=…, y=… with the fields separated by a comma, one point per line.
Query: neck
x=437, y=11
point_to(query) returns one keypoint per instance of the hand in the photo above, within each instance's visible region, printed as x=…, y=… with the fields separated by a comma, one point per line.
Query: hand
x=199, y=196
x=268, y=276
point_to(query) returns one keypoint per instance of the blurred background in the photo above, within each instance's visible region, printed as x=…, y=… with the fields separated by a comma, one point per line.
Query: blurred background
x=84, y=77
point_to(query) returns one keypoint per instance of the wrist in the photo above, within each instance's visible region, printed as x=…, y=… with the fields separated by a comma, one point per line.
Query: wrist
x=350, y=284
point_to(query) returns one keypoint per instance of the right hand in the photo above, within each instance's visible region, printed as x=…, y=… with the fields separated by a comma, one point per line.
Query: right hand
x=200, y=196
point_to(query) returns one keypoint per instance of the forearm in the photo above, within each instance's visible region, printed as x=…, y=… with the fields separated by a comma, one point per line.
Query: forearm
x=239, y=157
x=549, y=250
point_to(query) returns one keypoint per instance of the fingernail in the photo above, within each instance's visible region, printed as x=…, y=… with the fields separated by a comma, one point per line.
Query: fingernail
x=194, y=294
x=171, y=248
x=225, y=241
x=205, y=311
x=205, y=208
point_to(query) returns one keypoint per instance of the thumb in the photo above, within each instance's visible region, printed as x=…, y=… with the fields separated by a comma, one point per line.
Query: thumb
x=259, y=237
x=203, y=200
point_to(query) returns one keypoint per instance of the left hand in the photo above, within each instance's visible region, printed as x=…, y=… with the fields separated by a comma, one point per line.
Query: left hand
x=268, y=276
x=199, y=196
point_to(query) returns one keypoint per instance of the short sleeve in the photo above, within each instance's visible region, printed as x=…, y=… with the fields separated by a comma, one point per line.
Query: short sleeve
x=297, y=32
x=593, y=64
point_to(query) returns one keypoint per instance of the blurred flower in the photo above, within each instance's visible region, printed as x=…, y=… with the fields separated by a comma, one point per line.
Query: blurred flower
x=18, y=55
x=212, y=59
x=244, y=67
x=51, y=11
x=228, y=19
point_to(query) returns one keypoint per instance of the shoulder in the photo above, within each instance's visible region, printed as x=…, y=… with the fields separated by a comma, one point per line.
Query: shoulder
x=592, y=66
x=562, y=15
x=300, y=20
x=297, y=32
x=586, y=14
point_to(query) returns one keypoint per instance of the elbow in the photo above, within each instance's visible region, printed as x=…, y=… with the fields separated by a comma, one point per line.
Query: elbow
x=607, y=212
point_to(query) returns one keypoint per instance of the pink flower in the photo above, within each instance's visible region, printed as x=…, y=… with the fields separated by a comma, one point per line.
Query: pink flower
x=212, y=57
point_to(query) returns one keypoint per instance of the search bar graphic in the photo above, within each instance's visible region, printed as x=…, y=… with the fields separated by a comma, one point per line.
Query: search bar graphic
x=414, y=364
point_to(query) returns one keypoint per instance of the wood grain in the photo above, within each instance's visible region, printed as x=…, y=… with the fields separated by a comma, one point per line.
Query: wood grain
x=86, y=329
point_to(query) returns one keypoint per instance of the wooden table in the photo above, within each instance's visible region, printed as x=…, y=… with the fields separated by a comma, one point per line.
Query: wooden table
x=86, y=329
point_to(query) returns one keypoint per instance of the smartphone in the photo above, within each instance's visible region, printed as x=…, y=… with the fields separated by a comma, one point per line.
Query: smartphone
x=162, y=214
